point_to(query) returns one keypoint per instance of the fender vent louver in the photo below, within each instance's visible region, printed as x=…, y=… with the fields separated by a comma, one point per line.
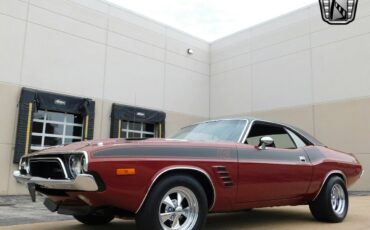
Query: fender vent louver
x=224, y=176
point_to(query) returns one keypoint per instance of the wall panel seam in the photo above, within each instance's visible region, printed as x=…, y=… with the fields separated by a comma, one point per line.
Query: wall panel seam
x=262, y=61
x=165, y=70
x=70, y=17
x=24, y=44
x=342, y=40
x=105, y=74
x=261, y=48
x=149, y=30
x=14, y=17
x=259, y=62
x=116, y=32
x=312, y=81
x=159, y=47
x=328, y=26
x=293, y=38
x=101, y=43
x=90, y=8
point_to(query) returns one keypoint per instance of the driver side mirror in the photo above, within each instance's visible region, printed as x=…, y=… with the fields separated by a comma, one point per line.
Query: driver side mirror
x=266, y=142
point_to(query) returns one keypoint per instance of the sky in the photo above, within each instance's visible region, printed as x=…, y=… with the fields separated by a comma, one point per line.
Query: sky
x=212, y=19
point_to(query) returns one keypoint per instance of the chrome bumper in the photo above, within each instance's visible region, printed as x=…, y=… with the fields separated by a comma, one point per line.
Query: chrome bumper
x=83, y=182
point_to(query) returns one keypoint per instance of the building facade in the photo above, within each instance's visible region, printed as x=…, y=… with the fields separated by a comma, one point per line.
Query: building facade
x=79, y=69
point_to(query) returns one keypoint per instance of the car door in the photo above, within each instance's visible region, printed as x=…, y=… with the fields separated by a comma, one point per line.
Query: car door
x=279, y=171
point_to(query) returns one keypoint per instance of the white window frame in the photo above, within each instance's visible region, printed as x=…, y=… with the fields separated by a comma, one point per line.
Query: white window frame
x=62, y=136
x=141, y=131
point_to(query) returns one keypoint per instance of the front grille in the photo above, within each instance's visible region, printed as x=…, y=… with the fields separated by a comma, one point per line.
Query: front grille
x=50, y=168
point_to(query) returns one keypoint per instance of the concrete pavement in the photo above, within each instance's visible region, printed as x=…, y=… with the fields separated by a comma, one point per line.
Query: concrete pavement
x=21, y=210
x=270, y=218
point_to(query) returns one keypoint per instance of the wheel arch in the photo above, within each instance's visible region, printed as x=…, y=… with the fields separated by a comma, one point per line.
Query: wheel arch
x=328, y=176
x=199, y=174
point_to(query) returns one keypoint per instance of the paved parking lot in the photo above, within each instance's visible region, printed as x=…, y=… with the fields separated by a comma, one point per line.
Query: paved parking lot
x=15, y=210
x=270, y=218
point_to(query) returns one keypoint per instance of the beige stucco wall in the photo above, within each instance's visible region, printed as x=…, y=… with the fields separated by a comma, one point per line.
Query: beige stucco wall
x=345, y=125
x=342, y=125
x=9, y=96
x=300, y=70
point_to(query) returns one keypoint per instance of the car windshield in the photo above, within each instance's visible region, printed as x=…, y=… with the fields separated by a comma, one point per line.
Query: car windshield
x=221, y=130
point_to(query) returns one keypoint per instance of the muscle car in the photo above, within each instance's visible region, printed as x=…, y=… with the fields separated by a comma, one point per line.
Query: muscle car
x=214, y=166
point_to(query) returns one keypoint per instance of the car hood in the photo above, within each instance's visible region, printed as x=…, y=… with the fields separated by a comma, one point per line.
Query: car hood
x=96, y=145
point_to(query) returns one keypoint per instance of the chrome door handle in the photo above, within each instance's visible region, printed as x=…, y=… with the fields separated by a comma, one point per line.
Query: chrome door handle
x=302, y=159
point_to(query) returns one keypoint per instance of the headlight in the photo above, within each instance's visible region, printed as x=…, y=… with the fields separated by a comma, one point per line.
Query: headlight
x=24, y=166
x=76, y=164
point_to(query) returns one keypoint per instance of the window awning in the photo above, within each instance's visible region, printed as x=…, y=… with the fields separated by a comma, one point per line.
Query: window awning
x=135, y=114
x=131, y=113
x=58, y=102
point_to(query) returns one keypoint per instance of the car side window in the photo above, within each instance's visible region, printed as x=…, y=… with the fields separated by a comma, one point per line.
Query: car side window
x=298, y=141
x=281, y=137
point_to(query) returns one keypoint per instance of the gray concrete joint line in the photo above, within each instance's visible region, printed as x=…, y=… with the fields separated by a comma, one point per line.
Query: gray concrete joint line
x=303, y=50
x=101, y=43
x=69, y=17
x=296, y=37
x=312, y=82
x=102, y=28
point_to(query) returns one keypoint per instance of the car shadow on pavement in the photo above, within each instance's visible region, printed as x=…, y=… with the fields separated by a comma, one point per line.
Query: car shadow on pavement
x=258, y=218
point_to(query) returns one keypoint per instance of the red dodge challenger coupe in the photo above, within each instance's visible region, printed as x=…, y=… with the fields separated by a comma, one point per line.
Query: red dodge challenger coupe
x=215, y=166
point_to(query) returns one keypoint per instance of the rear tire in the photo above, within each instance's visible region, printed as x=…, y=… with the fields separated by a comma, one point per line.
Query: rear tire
x=332, y=203
x=176, y=202
x=92, y=219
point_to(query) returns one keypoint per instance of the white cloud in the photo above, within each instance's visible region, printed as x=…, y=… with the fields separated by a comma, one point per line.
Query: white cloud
x=212, y=19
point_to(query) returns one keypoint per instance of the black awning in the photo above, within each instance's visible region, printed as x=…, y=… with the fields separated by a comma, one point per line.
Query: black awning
x=59, y=102
x=131, y=113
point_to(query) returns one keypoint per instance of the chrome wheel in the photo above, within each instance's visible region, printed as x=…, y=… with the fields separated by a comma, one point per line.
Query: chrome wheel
x=178, y=209
x=338, y=199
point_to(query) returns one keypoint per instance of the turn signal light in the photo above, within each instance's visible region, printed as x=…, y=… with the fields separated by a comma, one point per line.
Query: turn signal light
x=123, y=172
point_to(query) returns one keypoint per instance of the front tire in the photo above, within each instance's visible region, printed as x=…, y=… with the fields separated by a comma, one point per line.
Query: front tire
x=177, y=202
x=92, y=219
x=332, y=203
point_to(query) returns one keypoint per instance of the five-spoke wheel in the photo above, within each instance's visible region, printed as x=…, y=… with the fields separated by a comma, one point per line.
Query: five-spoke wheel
x=175, y=203
x=332, y=203
x=338, y=199
x=178, y=209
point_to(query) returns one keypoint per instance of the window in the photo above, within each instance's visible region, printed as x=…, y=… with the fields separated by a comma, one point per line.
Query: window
x=222, y=130
x=278, y=133
x=298, y=141
x=54, y=128
x=132, y=129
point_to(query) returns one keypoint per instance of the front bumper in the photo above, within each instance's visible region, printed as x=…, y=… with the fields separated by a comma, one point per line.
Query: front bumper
x=83, y=182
